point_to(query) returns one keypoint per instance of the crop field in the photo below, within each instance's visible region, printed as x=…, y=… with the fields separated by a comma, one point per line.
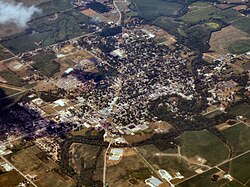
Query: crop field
x=130, y=171
x=4, y=53
x=10, y=179
x=238, y=137
x=208, y=13
x=53, y=179
x=228, y=36
x=242, y=109
x=239, y=47
x=83, y=153
x=239, y=168
x=168, y=160
x=213, y=114
x=11, y=77
x=53, y=6
x=48, y=31
x=243, y=24
x=45, y=63
x=203, y=180
x=151, y=9
x=195, y=145
x=168, y=24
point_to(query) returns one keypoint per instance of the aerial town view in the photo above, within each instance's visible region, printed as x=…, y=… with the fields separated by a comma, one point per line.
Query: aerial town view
x=124, y=93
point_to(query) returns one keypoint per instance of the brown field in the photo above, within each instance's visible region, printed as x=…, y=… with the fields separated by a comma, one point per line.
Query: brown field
x=53, y=179
x=161, y=126
x=130, y=171
x=27, y=162
x=45, y=86
x=11, y=179
x=220, y=40
x=8, y=30
x=222, y=126
x=83, y=152
x=32, y=161
x=93, y=14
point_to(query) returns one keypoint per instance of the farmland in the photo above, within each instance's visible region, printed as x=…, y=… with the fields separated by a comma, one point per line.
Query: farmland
x=238, y=137
x=151, y=9
x=45, y=63
x=194, y=144
x=48, y=31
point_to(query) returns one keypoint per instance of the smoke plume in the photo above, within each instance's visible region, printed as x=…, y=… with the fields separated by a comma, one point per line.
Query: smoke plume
x=16, y=13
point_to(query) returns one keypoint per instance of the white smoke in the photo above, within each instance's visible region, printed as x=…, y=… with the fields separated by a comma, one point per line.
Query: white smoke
x=16, y=13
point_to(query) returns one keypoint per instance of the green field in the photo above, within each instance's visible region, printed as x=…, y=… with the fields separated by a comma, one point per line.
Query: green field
x=243, y=24
x=203, y=144
x=44, y=62
x=12, y=78
x=239, y=47
x=53, y=6
x=4, y=54
x=209, y=13
x=168, y=24
x=172, y=164
x=203, y=180
x=238, y=137
x=49, y=31
x=233, y=184
x=151, y=9
x=239, y=168
x=242, y=109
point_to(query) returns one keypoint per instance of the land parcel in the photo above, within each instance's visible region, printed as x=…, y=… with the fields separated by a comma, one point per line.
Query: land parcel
x=49, y=30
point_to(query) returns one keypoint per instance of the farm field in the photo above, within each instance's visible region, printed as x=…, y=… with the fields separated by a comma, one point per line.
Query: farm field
x=203, y=180
x=48, y=31
x=240, y=47
x=83, y=155
x=151, y=9
x=239, y=168
x=130, y=171
x=46, y=64
x=238, y=137
x=242, y=109
x=4, y=53
x=194, y=145
x=227, y=39
x=169, y=161
x=11, y=178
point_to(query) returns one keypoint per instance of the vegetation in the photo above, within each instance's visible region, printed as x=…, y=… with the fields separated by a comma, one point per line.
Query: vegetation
x=241, y=109
x=243, y=24
x=239, y=47
x=49, y=31
x=238, y=168
x=4, y=54
x=203, y=180
x=151, y=9
x=44, y=62
x=238, y=137
x=12, y=78
x=196, y=143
